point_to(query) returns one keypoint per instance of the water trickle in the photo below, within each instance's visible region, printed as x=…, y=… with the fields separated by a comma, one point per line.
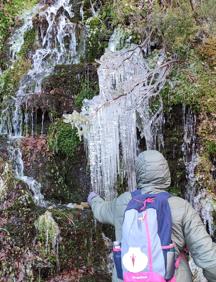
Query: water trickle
x=17, y=40
x=109, y=121
x=42, y=123
x=58, y=45
x=18, y=166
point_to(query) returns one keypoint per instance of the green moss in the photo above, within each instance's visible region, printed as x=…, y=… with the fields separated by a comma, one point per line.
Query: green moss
x=9, y=81
x=29, y=39
x=48, y=231
x=211, y=148
x=88, y=91
x=80, y=239
x=63, y=139
x=98, y=37
x=175, y=191
x=192, y=83
x=206, y=10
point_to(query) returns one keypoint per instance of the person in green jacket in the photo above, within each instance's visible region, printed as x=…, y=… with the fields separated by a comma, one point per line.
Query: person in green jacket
x=153, y=176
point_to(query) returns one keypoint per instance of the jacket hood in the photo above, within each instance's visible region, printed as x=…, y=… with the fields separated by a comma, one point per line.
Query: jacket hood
x=152, y=171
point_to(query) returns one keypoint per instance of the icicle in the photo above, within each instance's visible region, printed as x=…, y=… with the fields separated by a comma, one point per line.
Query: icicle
x=26, y=120
x=189, y=152
x=199, y=198
x=42, y=123
x=82, y=11
x=32, y=122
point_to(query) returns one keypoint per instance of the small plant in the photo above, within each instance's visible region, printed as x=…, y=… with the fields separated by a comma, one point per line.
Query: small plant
x=88, y=91
x=192, y=83
x=10, y=79
x=176, y=27
x=208, y=50
x=211, y=147
x=63, y=139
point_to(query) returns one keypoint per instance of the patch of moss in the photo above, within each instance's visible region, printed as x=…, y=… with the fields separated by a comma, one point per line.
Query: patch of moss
x=206, y=11
x=80, y=239
x=29, y=39
x=63, y=139
x=175, y=191
x=48, y=233
x=211, y=148
x=88, y=91
x=98, y=37
x=192, y=83
x=9, y=81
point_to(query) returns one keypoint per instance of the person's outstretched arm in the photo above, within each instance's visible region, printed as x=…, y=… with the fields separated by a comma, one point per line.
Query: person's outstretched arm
x=200, y=244
x=103, y=210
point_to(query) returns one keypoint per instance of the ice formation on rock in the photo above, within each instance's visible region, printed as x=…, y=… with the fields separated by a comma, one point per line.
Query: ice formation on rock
x=129, y=88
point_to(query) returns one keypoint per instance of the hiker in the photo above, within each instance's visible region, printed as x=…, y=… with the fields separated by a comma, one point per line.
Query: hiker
x=187, y=229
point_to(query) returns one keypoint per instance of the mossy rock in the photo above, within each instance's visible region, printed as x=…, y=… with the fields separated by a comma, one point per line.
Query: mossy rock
x=173, y=136
x=81, y=238
x=64, y=179
x=28, y=45
x=68, y=78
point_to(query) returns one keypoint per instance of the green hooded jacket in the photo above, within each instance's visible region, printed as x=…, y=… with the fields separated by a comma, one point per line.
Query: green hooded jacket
x=153, y=175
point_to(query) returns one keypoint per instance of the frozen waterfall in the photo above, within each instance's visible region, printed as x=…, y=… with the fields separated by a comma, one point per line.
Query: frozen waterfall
x=109, y=122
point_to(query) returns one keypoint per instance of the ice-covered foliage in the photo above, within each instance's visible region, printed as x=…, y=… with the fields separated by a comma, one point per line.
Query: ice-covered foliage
x=48, y=234
x=129, y=88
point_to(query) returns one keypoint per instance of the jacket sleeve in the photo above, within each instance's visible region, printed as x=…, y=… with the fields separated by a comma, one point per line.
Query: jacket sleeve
x=200, y=244
x=103, y=210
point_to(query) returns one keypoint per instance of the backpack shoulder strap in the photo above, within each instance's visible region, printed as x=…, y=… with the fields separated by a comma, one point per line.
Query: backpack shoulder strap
x=135, y=193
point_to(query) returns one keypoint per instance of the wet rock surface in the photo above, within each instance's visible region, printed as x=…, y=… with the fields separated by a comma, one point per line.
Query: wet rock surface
x=36, y=242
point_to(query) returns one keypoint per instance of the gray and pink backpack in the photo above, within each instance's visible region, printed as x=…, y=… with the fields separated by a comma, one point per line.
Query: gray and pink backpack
x=146, y=252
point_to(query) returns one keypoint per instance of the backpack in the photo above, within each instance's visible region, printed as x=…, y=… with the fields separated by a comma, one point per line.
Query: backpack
x=147, y=253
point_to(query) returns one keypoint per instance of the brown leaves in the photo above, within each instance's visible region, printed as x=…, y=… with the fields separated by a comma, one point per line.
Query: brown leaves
x=32, y=146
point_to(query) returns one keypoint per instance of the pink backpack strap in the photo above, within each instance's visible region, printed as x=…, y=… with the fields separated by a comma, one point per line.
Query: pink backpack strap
x=177, y=263
x=179, y=259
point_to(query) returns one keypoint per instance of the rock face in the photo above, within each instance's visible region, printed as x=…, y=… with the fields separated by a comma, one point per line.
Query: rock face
x=38, y=243
x=50, y=60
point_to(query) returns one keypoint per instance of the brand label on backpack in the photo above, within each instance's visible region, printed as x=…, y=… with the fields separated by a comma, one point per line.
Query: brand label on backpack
x=134, y=260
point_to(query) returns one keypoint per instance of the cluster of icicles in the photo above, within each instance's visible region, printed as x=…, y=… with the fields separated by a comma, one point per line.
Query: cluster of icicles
x=129, y=98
